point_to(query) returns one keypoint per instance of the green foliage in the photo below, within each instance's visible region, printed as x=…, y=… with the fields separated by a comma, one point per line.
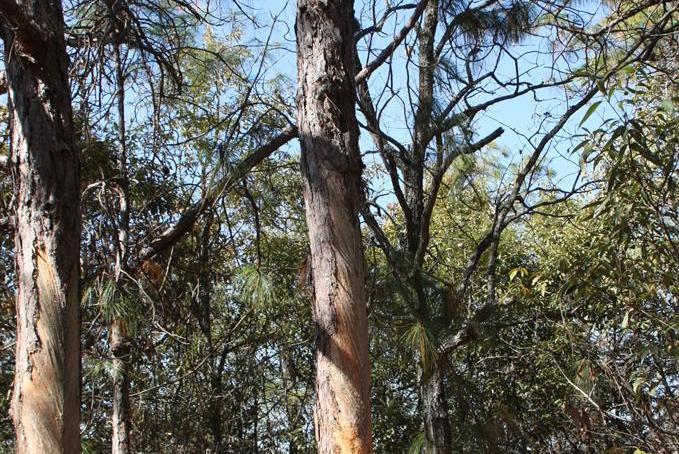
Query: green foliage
x=256, y=287
x=418, y=445
x=507, y=23
x=419, y=339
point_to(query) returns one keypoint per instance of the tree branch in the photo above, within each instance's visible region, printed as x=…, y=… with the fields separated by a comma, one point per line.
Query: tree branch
x=436, y=183
x=398, y=39
x=377, y=26
x=186, y=221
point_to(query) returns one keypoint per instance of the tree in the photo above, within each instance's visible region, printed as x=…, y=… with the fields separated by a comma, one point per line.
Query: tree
x=457, y=57
x=331, y=168
x=44, y=167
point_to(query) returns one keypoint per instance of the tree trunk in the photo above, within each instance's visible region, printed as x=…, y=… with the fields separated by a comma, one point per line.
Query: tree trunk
x=292, y=407
x=120, y=348
x=203, y=314
x=215, y=411
x=432, y=389
x=44, y=168
x=435, y=410
x=119, y=342
x=331, y=168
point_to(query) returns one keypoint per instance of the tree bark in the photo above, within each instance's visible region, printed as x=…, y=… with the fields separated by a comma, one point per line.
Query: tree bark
x=292, y=407
x=203, y=314
x=435, y=410
x=331, y=169
x=119, y=342
x=120, y=348
x=432, y=386
x=44, y=168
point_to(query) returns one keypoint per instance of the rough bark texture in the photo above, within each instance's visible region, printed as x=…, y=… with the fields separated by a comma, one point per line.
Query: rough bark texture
x=331, y=168
x=202, y=311
x=414, y=174
x=44, y=169
x=435, y=411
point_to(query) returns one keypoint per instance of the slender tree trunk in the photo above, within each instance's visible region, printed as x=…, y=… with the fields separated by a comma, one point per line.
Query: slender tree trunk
x=44, y=169
x=435, y=409
x=432, y=385
x=331, y=168
x=215, y=410
x=120, y=348
x=119, y=342
x=204, y=317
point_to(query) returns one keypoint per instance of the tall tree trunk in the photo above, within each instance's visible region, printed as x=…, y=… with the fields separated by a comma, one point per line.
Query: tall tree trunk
x=44, y=168
x=432, y=385
x=331, y=168
x=215, y=411
x=414, y=172
x=291, y=403
x=119, y=342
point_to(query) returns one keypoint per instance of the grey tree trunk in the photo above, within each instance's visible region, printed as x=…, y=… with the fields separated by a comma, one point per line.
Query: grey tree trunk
x=203, y=314
x=432, y=392
x=331, y=169
x=44, y=169
x=435, y=410
x=118, y=337
x=118, y=340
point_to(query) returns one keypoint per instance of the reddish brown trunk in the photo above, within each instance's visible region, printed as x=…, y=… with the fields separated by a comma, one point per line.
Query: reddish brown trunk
x=331, y=167
x=44, y=168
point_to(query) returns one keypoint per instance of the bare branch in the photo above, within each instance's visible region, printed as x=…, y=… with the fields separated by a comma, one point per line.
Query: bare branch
x=436, y=183
x=398, y=39
x=377, y=26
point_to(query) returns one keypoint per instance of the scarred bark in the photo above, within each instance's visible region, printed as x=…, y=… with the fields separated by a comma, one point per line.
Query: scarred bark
x=44, y=169
x=331, y=168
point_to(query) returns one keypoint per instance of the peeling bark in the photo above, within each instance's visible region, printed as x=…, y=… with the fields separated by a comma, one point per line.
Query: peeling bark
x=331, y=168
x=44, y=169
